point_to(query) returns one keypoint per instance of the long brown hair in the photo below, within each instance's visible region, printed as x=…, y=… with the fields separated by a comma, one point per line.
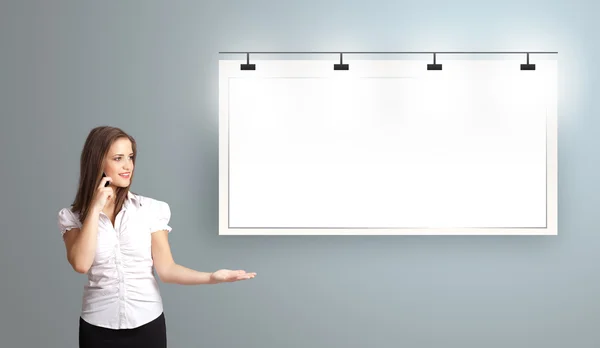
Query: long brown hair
x=96, y=146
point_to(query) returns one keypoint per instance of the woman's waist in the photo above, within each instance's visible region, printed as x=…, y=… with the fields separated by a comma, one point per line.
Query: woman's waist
x=112, y=278
x=121, y=289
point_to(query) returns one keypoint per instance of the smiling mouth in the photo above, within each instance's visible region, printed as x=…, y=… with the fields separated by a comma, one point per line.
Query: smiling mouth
x=125, y=175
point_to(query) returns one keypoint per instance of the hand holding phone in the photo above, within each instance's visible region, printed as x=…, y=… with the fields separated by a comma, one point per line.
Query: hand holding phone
x=103, y=193
x=107, y=182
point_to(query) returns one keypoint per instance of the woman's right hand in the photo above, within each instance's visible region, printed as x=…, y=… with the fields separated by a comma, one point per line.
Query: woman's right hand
x=103, y=194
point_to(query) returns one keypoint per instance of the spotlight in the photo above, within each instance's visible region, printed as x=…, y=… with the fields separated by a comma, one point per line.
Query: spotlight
x=341, y=66
x=527, y=66
x=434, y=66
x=247, y=66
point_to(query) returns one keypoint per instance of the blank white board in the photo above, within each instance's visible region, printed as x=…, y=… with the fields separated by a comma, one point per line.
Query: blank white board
x=387, y=147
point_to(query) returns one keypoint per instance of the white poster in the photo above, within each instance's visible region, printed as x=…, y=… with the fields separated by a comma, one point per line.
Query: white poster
x=387, y=147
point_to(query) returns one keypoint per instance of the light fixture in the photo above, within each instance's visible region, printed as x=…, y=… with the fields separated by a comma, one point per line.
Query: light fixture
x=434, y=66
x=527, y=66
x=341, y=66
x=248, y=66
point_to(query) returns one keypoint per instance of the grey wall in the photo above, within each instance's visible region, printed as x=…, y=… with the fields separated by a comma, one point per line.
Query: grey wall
x=151, y=67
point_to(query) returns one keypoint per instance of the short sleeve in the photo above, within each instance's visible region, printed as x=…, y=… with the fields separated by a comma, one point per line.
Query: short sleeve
x=67, y=220
x=160, y=214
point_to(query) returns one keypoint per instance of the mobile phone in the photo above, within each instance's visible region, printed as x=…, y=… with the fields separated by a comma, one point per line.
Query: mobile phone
x=108, y=182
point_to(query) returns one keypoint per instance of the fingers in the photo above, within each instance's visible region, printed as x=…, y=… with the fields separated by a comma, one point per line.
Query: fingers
x=246, y=276
x=104, y=181
x=244, y=273
x=107, y=192
x=237, y=275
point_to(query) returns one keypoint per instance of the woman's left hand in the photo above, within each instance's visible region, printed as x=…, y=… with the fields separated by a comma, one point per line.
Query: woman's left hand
x=227, y=276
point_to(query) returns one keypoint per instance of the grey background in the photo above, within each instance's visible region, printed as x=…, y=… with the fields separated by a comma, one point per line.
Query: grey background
x=151, y=67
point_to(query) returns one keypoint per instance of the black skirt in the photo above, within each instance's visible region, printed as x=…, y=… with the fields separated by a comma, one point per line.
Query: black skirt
x=150, y=335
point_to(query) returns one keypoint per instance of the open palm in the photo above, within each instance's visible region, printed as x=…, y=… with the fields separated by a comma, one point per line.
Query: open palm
x=227, y=275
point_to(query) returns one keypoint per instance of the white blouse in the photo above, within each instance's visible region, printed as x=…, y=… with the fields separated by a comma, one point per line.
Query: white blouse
x=121, y=291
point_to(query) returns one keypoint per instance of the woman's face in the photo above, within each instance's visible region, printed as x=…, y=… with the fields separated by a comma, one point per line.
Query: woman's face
x=118, y=164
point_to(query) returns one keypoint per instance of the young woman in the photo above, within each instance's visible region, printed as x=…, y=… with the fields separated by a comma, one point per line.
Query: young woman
x=116, y=237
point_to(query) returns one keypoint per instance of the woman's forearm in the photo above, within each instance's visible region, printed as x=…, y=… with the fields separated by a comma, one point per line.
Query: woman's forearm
x=178, y=274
